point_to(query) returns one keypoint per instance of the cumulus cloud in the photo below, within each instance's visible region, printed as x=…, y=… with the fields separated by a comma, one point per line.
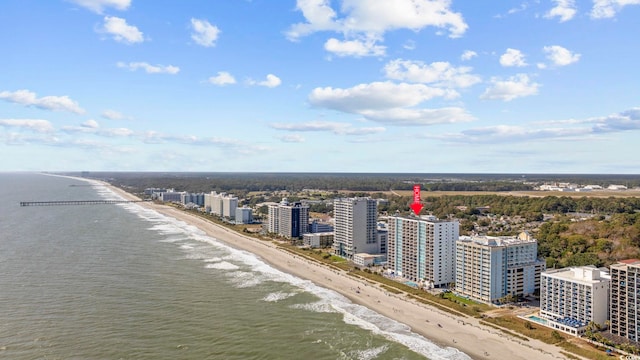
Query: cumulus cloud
x=357, y=19
x=204, y=33
x=29, y=98
x=516, y=86
x=437, y=73
x=148, y=68
x=328, y=126
x=560, y=56
x=603, y=9
x=390, y=103
x=98, y=6
x=223, y=78
x=37, y=125
x=375, y=96
x=468, y=55
x=355, y=48
x=121, y=31
x=565, y=10
x=512, y=57
x=271, y=81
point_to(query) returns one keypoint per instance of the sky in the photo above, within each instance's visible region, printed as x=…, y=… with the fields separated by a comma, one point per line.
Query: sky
x=385, y=86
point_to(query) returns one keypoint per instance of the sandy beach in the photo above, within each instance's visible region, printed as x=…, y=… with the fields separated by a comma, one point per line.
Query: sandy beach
x=463, y=333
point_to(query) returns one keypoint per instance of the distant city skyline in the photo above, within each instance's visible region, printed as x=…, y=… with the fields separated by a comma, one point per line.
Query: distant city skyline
x=396, y=86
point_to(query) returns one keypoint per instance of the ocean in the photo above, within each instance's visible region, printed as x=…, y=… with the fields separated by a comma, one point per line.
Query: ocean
x=124, y=282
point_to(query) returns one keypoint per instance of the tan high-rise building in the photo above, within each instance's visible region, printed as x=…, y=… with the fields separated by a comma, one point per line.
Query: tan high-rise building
x=423, y=249
x=356, y=224
x=489, y=268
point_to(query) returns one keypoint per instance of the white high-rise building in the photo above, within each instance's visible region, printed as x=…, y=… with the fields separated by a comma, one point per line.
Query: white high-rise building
x=423, y=249
x=489, y=268
x=355, y=226
x=221, y=204
x=625, y=299
x=570, y=298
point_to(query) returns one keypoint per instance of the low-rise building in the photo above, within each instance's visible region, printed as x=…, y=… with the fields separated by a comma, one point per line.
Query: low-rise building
x=318, y=240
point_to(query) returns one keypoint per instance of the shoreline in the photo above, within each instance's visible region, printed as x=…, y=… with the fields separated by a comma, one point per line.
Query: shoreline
x=444, y=329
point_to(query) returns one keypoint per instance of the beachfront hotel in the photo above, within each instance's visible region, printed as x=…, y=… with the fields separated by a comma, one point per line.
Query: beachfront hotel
x=288, y=220
x=355, y=228
x=221, y=204
x=489, y=268
x=422, y=249
x=570, y=298
x=625, y=299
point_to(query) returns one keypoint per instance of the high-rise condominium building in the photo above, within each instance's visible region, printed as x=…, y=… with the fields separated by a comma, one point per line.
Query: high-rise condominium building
x=355, y=226
x=288, y=220
x=221, y=204
x=489, y=268
x=625, y=299
x=423, y=249
x=570, y=298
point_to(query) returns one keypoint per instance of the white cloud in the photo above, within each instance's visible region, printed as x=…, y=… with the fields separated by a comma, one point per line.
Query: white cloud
x=204, y=33
x=564, y=9
x=437, y=73
x=468, y=55
x=91, y=124
x=419, y=117
x=571, y=129
x=150, y=69
x=271, y=81
x=328, y=126
x=390, y=103
x=116, y=132
x=92, y=127
x=37, y=125
x=121, y=31
x=114, y=115
x=603, y=9
x=359, y=17
x=98, y=6
x=560, y=56
x=512, y=57
x=507, y=90
x=292, y=138
x=376, y=95
x=355, y=48
x=223, y=78
x=29, y=98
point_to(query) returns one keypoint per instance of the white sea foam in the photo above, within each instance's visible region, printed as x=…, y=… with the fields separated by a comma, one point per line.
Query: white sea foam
x=277, y=296
x=222, y=266
x=370, y=354
x=258, y=271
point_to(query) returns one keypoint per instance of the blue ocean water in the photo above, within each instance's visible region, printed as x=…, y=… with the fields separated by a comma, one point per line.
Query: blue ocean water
x=124, y=282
